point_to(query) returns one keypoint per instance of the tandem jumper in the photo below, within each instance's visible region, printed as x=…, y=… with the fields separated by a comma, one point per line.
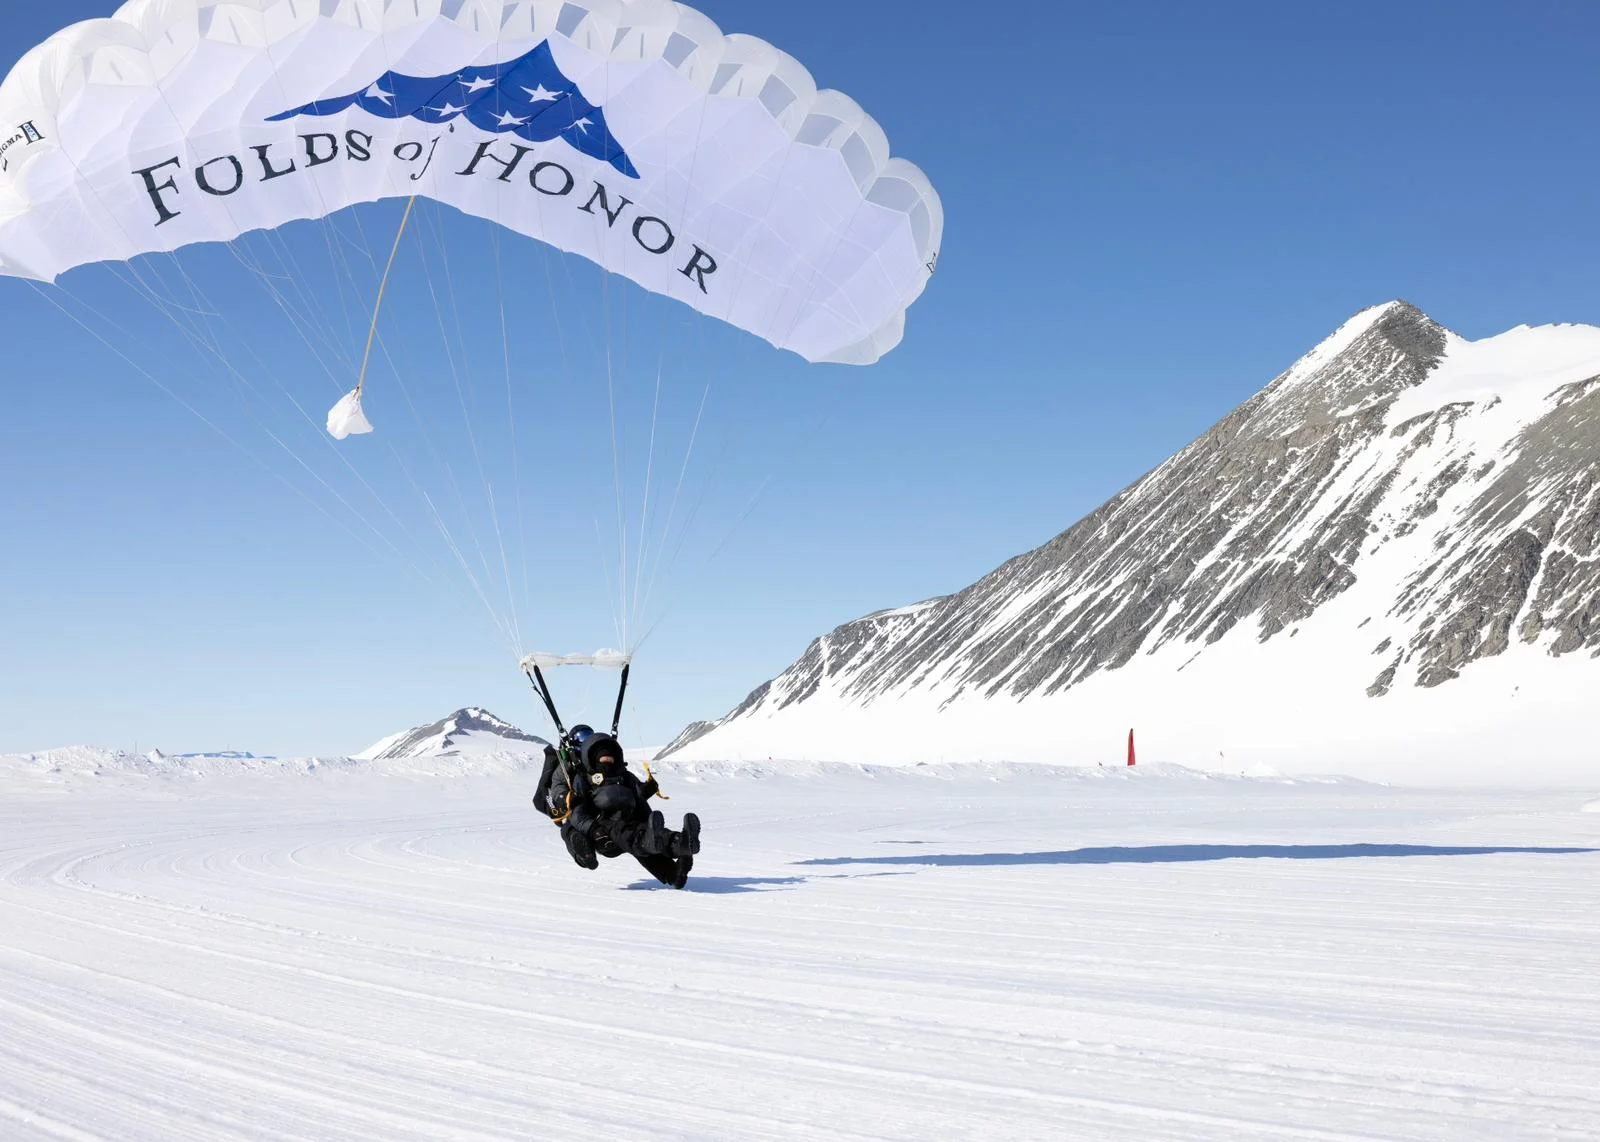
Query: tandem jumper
x=587, y=790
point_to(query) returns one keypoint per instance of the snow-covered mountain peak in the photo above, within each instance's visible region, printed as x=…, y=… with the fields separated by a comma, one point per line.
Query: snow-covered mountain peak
x=1346, y=335
x=1374, y=356
x=1401, y=530
x=471, y=729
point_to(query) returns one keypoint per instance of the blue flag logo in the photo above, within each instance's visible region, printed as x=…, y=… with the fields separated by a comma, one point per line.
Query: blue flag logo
x=526, y=97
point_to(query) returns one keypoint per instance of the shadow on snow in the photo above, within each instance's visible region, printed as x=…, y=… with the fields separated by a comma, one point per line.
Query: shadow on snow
x=1178, y=854
x=724, y=885
x=1127, y=854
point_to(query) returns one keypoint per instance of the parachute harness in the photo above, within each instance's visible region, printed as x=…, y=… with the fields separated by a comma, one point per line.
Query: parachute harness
x=536, y=679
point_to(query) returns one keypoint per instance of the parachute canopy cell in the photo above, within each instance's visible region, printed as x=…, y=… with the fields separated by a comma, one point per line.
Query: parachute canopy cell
x=705, y=167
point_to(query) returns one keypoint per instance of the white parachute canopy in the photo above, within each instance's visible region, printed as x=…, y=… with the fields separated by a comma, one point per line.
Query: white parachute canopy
x=704, y=167
x=600, y=660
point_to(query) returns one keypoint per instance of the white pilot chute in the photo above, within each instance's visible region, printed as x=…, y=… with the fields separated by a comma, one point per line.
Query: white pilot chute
x=347, y=419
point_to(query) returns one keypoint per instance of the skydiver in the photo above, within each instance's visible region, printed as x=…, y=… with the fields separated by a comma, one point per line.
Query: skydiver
x=603, y=809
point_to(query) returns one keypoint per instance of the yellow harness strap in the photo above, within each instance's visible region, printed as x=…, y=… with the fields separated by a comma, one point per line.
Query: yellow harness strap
x=562, y=820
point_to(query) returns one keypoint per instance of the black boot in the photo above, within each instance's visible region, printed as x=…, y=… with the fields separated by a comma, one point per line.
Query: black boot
x=680, y=872
x=662, y=867
x=687, y=843
x=653, y=836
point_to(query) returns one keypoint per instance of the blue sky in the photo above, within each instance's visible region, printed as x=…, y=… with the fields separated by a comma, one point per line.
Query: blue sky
x=1151, y=209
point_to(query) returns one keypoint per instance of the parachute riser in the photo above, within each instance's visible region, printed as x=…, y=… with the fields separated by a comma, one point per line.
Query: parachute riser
x=622, y=691
x=536, y=680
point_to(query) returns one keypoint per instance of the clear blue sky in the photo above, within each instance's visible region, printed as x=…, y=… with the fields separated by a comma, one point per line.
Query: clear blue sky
x=1152, y=208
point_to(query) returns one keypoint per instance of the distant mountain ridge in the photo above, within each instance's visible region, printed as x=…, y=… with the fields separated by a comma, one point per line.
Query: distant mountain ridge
x=1399, y=507
x=471, y=729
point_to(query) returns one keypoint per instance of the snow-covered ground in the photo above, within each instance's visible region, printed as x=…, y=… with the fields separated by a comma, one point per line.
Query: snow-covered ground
x=286, y=950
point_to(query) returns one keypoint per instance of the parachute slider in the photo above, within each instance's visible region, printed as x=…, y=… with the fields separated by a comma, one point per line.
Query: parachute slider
x=534, y=665
x=346, y=418
x=600, y=660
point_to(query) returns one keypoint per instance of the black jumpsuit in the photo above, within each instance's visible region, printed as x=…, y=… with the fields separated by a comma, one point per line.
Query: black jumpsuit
x=605, y=812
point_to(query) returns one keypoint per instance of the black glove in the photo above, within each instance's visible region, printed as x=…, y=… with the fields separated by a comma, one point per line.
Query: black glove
x=649, y=789
x=541, y=803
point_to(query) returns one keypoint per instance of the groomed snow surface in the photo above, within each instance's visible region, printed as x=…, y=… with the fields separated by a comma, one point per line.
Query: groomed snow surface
x=930, y=953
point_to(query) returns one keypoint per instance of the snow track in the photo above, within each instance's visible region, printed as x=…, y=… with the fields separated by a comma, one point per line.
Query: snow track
x=944, y=953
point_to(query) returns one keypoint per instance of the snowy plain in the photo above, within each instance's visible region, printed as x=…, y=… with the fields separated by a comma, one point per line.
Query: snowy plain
x=251, y=949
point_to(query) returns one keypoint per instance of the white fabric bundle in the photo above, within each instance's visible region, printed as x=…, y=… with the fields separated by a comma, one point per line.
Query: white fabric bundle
x=346, y=417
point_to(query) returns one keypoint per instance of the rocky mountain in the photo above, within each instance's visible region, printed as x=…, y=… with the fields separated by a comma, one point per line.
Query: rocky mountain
x=1370, y=559
x=471, y=730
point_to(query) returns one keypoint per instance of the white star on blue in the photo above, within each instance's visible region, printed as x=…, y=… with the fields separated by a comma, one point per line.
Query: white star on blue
x=527, y=97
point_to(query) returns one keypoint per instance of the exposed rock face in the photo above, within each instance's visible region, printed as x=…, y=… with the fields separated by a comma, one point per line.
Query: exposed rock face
x=1529, y=557
x=1468, y=516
